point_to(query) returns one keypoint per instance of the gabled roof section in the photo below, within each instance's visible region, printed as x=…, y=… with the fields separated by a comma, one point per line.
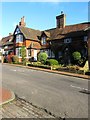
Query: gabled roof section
x=30, y=33
x=68, y=31
x=46, y=33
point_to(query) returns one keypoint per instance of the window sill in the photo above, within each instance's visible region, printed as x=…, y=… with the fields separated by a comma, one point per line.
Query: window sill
x=19, y=42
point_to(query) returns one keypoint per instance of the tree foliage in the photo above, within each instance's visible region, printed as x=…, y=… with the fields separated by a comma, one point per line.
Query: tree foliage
x=23, y=53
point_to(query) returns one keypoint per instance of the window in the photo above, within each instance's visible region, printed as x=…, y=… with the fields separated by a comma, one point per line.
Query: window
x=18, y=52
x=59, y=54
x=85, y=38
x=43, y=41
x=17, y=31
x=50, y=53
x=19, y=38
x=67, y=40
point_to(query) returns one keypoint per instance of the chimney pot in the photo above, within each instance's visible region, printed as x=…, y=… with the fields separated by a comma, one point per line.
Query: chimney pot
x=61, y=19
x=22, y=22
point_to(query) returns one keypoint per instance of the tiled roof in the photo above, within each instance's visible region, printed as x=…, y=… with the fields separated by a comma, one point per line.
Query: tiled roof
x=68, y=31
x=6, y=39
x=47, y=34
x=30, y=33
x=8, y=43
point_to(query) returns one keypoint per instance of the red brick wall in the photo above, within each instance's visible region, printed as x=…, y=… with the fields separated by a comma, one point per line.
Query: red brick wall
x=36, y=44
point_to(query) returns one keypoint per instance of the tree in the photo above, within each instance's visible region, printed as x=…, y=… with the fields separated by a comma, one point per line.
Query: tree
x=23, y=53
x=42, y=57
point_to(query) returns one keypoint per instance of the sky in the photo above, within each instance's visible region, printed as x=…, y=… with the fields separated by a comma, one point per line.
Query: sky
x=40, y=15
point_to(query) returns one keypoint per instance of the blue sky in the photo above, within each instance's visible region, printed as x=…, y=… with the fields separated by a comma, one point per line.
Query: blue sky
x=41, y=15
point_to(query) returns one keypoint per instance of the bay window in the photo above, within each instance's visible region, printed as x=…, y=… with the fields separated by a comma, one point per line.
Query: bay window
x=18, y=52
x=19, y=38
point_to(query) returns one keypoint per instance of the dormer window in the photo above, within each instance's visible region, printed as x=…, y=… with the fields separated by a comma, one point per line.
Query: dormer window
x=43, y=41
x=19, y=38
x=67, y=40
x=10, y=40
x=85, y=38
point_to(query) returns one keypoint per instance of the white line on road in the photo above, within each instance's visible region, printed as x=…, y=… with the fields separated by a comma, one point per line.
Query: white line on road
x=78, y=87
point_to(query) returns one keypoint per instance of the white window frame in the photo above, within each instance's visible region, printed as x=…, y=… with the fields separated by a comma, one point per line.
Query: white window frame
x=18, y=52
x=43, y=40
x=67, y=40
x=19, y=38
x=85, y=38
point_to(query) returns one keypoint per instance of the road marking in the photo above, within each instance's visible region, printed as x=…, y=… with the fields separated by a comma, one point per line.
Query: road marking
x=78, y=87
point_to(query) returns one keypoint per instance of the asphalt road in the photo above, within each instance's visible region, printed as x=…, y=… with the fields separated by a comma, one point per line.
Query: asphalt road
x=59, y=94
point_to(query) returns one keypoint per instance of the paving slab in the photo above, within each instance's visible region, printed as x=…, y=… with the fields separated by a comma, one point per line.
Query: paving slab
x=20, y=108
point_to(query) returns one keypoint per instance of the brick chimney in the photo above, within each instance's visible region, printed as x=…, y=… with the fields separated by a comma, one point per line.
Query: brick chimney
x=22, y=22
x=61, y=20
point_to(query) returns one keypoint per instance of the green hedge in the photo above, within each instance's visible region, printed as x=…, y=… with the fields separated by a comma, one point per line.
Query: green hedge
x=52, y=62
x=40, y=66
x=42, y=57
x=76, y=55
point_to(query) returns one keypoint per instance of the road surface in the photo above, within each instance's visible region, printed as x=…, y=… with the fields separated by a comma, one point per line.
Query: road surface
x=61, y=95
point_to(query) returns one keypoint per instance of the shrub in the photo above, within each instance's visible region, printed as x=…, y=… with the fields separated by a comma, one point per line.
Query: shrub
x=42, y=57
x=15, y=59
x=23, y=54
x=24, y=62
x=5, y=59
x=76, y=55
x=40, y=66
x=52, y=62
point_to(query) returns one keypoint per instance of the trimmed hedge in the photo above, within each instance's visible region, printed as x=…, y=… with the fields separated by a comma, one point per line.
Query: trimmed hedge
x=42, y=57
x=52, y=62
x=76, y=55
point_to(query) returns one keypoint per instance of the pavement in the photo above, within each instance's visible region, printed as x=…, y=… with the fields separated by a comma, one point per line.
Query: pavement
x=6, y=96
